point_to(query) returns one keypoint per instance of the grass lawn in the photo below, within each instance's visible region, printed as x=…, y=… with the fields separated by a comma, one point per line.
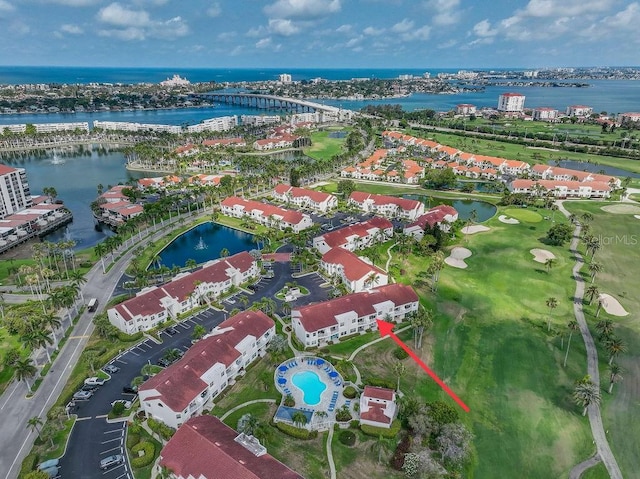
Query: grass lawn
x=323, y=147
x=596, y=472
x=490, y=344
x=620, y=257
x=360, y=461
x=524, y=215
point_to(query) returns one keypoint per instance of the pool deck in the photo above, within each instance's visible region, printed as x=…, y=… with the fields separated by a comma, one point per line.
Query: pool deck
x=331, y=398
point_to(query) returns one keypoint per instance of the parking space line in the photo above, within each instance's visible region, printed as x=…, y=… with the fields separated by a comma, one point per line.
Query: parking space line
x=112, y=430
x=135, y=354
x=121, y=361
x=110, y=450
x=102, y=416
x=83, y=418
x=113, y=469
x=110, y=440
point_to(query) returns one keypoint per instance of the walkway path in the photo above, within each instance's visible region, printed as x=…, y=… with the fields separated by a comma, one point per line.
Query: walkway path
x=244, y=404
x=595, y=418
x=386, y=268
x=579, y=469
x=332, y=465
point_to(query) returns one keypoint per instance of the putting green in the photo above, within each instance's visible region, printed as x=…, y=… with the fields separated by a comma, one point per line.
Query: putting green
x=524, y=215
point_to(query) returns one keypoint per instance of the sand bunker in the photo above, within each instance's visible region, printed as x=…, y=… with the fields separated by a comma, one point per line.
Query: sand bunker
x=636, y=217
x=507, y=220
x=473, y=229
x=611, y=305
x=621, y=209
x=457, y=257
x=542, y=255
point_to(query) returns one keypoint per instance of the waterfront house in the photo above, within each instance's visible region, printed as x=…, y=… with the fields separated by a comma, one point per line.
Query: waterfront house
x=441, y=216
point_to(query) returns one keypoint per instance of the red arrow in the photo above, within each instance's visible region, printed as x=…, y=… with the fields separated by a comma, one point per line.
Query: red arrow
x=386, y=330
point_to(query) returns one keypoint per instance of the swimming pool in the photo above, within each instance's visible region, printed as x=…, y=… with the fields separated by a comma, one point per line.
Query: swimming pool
x=310, y=385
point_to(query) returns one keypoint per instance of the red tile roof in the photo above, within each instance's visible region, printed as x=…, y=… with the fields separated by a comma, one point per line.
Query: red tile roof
x=321, y=315
x=378, y=393
x=295, y=192
x=288, y=216
x=375, y=413
x=403, y=203
x=204, y=447
x=181, y=383
x=434, y=216
x=339, y=237
x=354, y=268
x=4, y=169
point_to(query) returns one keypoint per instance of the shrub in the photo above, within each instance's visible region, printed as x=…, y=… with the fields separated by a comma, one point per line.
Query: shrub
x=400, y=353
x=289, y=401
x=350, y=392
x=127, y=338
x=397, y=461
x=347, y=438
x=132, y=440
x=147, y=458
x=297, y=432
x=354, y=424
x=118, y=408
x=29, y=464
x=379, y=382
x=343, y=414
x=381, y=431
x=165, y=432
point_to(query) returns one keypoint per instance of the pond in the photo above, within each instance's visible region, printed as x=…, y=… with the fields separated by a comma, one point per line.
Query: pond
x=594, y=168
x=204, y=243
x=483, y=210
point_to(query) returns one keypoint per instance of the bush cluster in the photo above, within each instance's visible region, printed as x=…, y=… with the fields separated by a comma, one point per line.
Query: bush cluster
x=132, y=439
x=350, y=392
x=165, y=432
x=297, y=432
x=379, y=382
x=347, y=438
x=400, y=353
x=147, y=458
x=29, y=464
x=397, y=461
x=381, y=431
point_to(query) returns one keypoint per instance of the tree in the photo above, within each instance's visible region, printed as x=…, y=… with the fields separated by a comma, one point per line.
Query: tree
x=224, y=252
x=35, y=424
x=346, y=187
x=573, y=326
x=594, y=269
x=248, y=424
x=454, y=443
x=605, y=328
x=198, y=331
x=399, y=370
x=559, y=234
x=37, y=475
x=586, y=393
x=614, y=346
x=549, y=263
x=381, y=445
x=191, y=263
x=592, y=292
x=421, y=319
x=90, y=357
x=24, y=370
x=552, y=303
x=299, y=418
x=614, y=375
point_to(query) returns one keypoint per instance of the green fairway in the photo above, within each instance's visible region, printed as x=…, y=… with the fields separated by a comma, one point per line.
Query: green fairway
x=490, y=344
x=524, y=215
x=620, y=256
x=324, y=147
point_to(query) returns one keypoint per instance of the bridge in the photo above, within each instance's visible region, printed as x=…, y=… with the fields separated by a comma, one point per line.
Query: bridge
x=273, y=102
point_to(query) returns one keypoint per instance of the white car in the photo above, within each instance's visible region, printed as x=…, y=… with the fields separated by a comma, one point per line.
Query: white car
x=94, y=381
x=82, y=395
x=127, y=404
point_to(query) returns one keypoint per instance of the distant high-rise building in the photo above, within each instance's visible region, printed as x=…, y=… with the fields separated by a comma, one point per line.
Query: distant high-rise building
x=14, y=191
x=579, y=110
x=285, y=78
x=465, y=109
x=511, y=102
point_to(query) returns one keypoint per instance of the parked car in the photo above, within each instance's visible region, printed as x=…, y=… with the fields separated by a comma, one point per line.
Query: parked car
x=111, y=369
x=127, y=404
x=89, y=387
x=111, y=461
x=82, y=395
x=130, y=389
x=94, y=381
x=164, y=362
x=47, y=464
x=171, y=330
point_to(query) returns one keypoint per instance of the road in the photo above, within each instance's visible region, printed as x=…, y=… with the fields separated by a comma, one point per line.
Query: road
x=595, y=418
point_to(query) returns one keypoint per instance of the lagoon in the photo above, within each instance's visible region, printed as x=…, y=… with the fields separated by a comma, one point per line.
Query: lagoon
x=204, y=243
x=484, y=210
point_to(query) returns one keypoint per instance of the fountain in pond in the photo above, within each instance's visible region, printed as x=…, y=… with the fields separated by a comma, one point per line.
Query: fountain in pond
x=201, y=244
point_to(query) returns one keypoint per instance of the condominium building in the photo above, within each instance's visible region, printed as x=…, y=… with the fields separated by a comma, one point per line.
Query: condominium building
x=266, y=214
x=320, y=323
x=511, y=102
x=223, y=123
x=545, y=114
x=14, y=190
x=579, y=110
x=305, y=198
x=187, y=387
x=354, y=272
x=356, y=236
x=390, y=206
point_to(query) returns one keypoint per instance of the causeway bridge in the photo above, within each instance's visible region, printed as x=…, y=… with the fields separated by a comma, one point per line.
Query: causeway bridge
x=273, y=102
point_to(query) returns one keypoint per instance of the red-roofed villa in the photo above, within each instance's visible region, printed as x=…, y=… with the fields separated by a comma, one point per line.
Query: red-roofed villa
x=378, y=407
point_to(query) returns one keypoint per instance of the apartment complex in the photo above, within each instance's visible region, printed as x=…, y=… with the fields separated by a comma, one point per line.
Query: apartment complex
x=354, y=272
x=356, y=236
x=187, y=387
x=15, y=194
x=511, y=102
x=265, y=214
x=304, y=198
x=329, y=321
x=389, y=206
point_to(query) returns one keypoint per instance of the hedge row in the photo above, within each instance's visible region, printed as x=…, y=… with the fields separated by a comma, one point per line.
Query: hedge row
x=132, y=439
x=127, y=338
x=379, y=382
x=297, y=432
x=29, y=464
x=381, y=431
x=148, y=456
x=165, y=432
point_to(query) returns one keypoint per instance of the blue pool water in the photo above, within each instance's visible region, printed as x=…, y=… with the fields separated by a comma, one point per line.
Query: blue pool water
x=311, y=386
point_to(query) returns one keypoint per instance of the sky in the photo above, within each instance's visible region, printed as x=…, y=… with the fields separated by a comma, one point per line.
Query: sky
x=320, y=33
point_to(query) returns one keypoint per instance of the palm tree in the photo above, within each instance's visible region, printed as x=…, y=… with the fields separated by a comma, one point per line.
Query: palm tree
x=77, y=280
x=224, y=252
x=594, y=268
x=52, y=322
x=399, y=370
x=573, y=326
x=605, y=328
x=552, y=303
x=549, y=263
x=614, y=375
x=593, y=292
x=191, y=263
x=381, y=445
x=90, y=357
x=419, y=321
x=35, y=424
x=100, y=251
x=248, y=424
x=437, y=263
x=614, y=346
x=600, y=304
x=586, y=393
x=25, y=370
x=299, y=419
